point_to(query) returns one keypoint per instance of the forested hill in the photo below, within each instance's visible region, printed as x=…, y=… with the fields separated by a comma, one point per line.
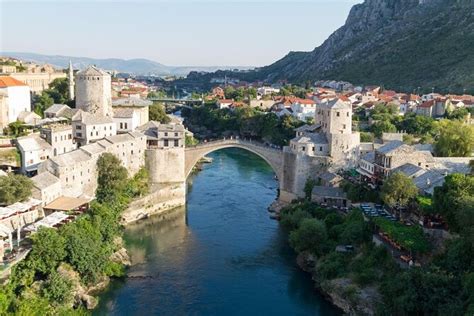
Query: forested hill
x=400, y=44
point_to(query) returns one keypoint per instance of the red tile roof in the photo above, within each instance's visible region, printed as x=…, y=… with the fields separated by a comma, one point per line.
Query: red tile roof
x=7, y=81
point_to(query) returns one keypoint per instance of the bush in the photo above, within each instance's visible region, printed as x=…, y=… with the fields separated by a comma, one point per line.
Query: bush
x=58, y=289
x=310, y=236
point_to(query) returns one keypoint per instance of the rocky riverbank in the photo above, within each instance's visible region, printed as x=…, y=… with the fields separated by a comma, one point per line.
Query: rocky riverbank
x=342, y=292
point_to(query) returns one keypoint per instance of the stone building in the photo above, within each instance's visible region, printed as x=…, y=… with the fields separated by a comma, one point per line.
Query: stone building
x=335, y=119
x=33, y=151
x=38, y=81
x=14, y=99
x=89, y=127
x=130, y=113
x=60, y=137
x=94, y=91
x=77, y=170
x=46, y=188
x=165, y=158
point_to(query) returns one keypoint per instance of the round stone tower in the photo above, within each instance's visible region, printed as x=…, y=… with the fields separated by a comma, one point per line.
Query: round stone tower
x=93, y=91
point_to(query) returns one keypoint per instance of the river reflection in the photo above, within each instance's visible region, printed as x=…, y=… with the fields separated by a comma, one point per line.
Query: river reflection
x=222, y=255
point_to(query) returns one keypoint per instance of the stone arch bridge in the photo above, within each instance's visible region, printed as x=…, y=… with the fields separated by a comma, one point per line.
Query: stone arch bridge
x=273, y=156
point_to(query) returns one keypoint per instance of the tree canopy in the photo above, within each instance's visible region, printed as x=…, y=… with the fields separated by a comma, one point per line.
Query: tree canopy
x=398, y=189
x=455, y=139
x=14, y=188
x=157, y=113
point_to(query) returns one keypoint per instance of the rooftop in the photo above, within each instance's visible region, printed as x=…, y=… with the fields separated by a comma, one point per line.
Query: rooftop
x=92, y=71
x=329, y=192
x=44, y=180
x=7, y=81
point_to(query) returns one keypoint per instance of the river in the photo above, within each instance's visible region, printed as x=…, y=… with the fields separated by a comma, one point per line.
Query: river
x=221, y=255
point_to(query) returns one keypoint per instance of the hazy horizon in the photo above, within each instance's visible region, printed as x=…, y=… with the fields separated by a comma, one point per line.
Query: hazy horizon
x=179, y=33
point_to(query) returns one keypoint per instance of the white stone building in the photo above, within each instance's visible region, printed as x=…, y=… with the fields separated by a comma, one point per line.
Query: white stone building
x=77, y=170
x=46, y=188
x=60, y=137
x=33, y=151
x=130, y=113
x=89, y=128
x=15, y=99
x=94, y=91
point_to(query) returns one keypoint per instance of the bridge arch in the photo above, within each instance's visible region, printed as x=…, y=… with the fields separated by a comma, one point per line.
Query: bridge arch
x=274, y=157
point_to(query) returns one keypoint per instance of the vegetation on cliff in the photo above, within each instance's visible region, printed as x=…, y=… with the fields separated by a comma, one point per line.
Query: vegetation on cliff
x=42, y=284
x=444, y=285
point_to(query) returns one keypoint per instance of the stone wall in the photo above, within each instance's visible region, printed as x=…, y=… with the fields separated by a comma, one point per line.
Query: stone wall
x=162, y=198
x=165, y=165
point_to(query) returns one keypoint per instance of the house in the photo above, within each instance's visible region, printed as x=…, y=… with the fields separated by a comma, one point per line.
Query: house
x=224, y=103
x=303, y=109
x=262, y=91
x=126, y=119
x=311, y=144
x=139, y=107
x=367, y=167
x=33, y=151
x=46, y=188
x=29, y=118
x=218, y=92
x=88, y=127
x=395, y=154
x=60, y=137
x=330, y=196
x=59, y=110
x=15, y=98
x=164, y=135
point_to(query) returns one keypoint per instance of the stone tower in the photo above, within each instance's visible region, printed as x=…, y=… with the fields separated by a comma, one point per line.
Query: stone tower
x=71, y=81
x=335, y=118
x=93, y=91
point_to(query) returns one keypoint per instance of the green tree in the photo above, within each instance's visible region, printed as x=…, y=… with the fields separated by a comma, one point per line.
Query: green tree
x=455, y=140
x=450, y=198
x=383, y=126
x=157, y=113
x=366, y=137
x=311, y=236
x=48, y=250
x=14, y=188
x=112, y=178
x=398, y=190
x=58, y=289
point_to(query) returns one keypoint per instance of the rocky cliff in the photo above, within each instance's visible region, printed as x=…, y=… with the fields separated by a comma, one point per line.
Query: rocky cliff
x=401, y=44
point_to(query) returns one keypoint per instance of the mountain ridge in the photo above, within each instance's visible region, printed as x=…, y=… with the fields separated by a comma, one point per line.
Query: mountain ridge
x=399, y=44
x=138, y=66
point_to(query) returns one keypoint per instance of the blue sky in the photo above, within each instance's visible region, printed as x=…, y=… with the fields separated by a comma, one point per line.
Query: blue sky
x=173, y=32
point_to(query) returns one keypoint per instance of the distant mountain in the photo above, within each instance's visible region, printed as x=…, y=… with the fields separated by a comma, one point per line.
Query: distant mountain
x=137, y=66
x=400, y=44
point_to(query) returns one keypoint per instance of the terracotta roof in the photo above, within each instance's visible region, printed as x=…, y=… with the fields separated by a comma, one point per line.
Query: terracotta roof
x=7, y=81
x=427, y=104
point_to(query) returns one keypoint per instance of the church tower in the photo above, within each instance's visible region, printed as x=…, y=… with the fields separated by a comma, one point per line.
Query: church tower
x=71, y=81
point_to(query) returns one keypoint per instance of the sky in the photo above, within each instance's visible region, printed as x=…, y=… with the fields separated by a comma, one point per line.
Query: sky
x=172, y=32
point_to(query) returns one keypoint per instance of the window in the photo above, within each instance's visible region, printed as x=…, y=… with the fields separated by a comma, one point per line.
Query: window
x=121, y=125
x=79, y=127
x=347, y=114
x=321, y=148
x=166, y=143
x=344, y=126
x=338, y=114
x=176, y=134
x=166, y=133
x=69, y=136
x=126, y=125
x=176, y=143
x=96, y=133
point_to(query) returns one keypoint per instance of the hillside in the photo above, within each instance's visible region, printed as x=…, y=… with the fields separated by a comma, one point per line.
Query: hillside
x=400, y=44
x=139, y=66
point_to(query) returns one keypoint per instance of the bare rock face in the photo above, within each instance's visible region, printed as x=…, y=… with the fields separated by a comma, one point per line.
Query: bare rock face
x=401, y=44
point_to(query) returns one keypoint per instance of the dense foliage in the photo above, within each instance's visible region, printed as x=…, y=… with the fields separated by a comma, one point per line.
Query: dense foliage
x=157, y=113
x=42, y=284
x=57, y=93
x=398, y=189
x=245, y=121
x=14, y=188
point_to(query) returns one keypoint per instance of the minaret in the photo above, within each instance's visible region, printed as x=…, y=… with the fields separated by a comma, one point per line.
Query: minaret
x=71, y=81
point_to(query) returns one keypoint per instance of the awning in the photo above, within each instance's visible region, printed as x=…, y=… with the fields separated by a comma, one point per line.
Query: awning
x=66, y=203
